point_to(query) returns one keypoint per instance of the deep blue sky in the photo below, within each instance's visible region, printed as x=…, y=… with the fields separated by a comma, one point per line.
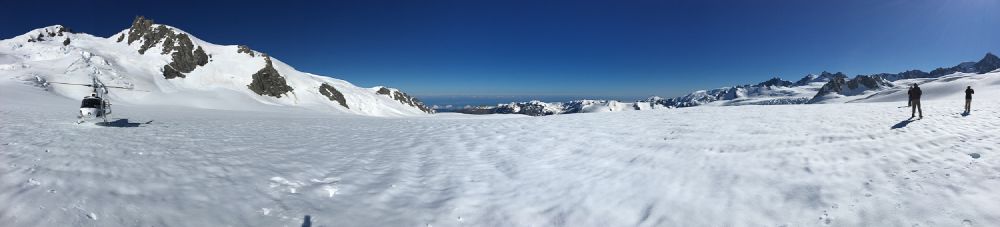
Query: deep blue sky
x=609, y=48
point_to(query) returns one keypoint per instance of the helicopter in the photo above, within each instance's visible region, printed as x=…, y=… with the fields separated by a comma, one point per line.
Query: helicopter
x=97, y=104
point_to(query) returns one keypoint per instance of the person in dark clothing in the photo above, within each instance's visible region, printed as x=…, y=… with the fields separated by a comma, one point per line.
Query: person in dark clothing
x=909, y=100
x=968, y=99
x=915, y=103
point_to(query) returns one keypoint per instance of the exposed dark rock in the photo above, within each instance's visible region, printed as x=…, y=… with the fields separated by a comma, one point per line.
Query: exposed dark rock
x=539, y=108
x=184, y=54
x=63, y=29
x=142, y=30
x=834, y=86
x=140, y=27
x=822, y=77
x=868, y=81
x=160, y=33
x=245, y=49
x=267, y=81
x=533, y=108
x=333, y=94
x=200, y=57
x=911, y=74
x=854, y=86
x=66, y=42
x=184, y=58
x=775, y=82
x=939, y=72
x=805, y=80
x=168, y=44
x=405, y=99
x=989, y=63
x=170, y=72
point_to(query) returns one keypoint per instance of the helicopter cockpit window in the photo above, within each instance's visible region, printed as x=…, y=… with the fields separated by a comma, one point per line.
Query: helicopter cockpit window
x=91, y=103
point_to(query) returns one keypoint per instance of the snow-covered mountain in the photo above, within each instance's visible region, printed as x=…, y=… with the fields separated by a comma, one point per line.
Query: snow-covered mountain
x=825, y=87
x=867, y=85
x=841, y=86
x=166, y=66
x=771, y=92
x=539, y=108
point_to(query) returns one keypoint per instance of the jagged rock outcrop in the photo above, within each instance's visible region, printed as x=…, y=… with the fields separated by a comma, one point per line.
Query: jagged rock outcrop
x=59, y=31
x=532, y=108
x=245, y=49
x=268, y=81
x=230, y=80
x=863, y=83
x=185, y=56
x=142, y=28
x=405, y=99
x=910, y=74
x=539, y=108
x=989, y=63
x=333, y=94
x=857, y=85
x=775, y=82
x=822, y=77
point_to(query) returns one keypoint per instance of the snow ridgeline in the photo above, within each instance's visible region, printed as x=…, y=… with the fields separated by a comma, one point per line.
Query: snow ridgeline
x=823, y=88
x=164, y=65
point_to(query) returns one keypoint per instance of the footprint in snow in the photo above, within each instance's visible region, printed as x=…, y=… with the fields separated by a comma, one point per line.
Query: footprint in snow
x=291, y=186
x=327, y=186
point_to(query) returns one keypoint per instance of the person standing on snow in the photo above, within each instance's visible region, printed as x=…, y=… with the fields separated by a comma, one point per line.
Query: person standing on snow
x=915, y=101
x=909, y=100
x=968, y=99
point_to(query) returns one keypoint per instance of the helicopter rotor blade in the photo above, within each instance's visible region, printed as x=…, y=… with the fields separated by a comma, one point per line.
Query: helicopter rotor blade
x=88, y=85
x=91, y=85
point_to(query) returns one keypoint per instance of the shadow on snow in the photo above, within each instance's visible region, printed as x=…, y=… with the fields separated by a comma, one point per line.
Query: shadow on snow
x=121, y=123
x=903, y=123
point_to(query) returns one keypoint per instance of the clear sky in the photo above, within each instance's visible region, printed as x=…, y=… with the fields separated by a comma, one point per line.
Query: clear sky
x=592, y=48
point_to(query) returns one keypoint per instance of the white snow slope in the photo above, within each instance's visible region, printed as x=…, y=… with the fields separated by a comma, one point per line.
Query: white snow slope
x=219, y=84
x=853, y=164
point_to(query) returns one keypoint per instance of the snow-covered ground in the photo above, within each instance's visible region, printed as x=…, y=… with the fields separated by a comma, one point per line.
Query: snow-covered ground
x=856, y=164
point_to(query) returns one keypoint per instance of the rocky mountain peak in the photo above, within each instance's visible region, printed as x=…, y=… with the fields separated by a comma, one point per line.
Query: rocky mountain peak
x=185, y=55
x=404, y=98
x=989, y=63
x=48, y=33
x=776, y=81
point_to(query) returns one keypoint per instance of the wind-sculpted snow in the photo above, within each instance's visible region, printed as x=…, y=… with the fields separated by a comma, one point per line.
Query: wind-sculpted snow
x=857, y=164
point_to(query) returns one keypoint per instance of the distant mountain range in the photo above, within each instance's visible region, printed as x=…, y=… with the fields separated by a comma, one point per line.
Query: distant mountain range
x=825, y=87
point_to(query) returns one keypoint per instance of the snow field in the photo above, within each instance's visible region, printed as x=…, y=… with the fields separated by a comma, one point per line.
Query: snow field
x=857, y=164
